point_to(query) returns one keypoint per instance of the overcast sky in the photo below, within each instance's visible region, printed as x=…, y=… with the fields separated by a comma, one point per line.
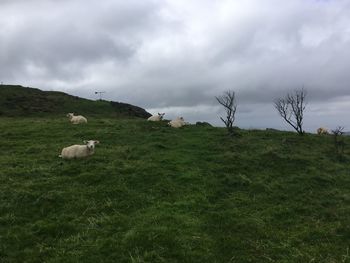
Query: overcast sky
x=175, y=56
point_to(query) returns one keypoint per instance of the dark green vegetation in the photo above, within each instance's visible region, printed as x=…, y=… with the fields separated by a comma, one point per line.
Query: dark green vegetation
x=155, y=194
x=21, y=101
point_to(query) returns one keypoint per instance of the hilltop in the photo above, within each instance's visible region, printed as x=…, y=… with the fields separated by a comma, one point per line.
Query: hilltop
x=156, y=194
x=16, y=100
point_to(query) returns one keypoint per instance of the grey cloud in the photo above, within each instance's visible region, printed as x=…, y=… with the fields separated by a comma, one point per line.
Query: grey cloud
x=178, y=55
x=63, y=38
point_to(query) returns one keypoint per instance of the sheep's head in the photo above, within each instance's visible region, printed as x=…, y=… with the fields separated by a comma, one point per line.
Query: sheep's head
x=70, y=115
x=91, y=144
x=161, y=115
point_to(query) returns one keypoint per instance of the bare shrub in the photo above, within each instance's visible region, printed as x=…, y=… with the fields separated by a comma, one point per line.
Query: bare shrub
x=339, y=143
x=228, y=101
x=291, y=108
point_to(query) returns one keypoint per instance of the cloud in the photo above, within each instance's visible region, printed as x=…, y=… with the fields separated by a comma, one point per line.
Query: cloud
x=59, y=39
x=178, y=55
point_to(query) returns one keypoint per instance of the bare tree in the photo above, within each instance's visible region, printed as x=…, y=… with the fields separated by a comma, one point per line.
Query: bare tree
x=291, y=108
x=228, y=100
x=339, y=141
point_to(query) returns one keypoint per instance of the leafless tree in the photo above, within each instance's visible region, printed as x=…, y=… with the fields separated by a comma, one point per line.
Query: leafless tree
x=339, y=141
x=291, y=108
x=228, y=101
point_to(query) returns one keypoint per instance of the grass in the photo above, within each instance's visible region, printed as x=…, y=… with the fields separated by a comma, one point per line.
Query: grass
x=155, y=194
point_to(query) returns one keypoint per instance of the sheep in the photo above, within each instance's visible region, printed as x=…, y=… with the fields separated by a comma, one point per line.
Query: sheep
x=322, y=131
x=178, y=122
x=158, y=117
x=79, y=151
x=76, y=119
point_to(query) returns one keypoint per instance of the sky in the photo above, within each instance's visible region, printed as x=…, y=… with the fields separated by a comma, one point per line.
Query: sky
x=175, y=56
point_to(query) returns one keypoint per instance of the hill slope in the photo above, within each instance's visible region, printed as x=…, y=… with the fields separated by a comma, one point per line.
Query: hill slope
x=21, y=101
x=155, y=194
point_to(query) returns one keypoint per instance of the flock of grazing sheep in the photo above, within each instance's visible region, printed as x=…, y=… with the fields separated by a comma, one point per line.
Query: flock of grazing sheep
x=88, y=148
x=79, y=151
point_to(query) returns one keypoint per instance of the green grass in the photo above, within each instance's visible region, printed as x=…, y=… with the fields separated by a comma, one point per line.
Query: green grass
x=155, y=194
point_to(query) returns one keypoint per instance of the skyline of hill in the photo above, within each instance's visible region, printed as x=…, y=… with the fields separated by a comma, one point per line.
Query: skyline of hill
x=16, y=100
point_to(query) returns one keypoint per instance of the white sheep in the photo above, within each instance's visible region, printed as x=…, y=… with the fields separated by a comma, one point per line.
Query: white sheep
x=158, y=117
x=76, y=119
x=322, y=131
x=79, y=151
x=178, y=122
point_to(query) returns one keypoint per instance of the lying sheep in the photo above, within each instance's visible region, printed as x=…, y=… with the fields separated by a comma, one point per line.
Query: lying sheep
x=158, y=117
x=178, y=122
x=79, y=151
x=76, y=119
x=322, y=131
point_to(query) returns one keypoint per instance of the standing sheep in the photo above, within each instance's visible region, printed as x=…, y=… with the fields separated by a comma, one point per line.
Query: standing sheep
x=158, y=117
x=79, y=151
x=76, y=119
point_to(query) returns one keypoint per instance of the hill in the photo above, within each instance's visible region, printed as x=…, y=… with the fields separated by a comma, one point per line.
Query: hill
x=24, y=101
x=155, y=194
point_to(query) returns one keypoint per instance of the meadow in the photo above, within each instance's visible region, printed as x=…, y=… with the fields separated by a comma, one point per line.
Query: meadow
x=155, y=194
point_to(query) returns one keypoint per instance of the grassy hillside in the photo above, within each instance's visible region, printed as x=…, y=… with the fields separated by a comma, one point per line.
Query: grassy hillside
x=21, y=101
x=155, y=194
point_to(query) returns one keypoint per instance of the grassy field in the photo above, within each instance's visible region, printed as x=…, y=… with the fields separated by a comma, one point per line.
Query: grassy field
x=155, y=194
